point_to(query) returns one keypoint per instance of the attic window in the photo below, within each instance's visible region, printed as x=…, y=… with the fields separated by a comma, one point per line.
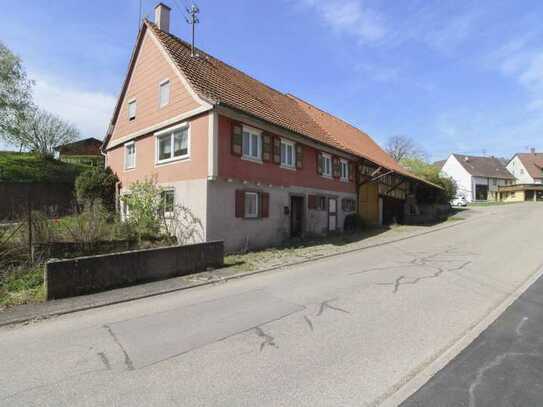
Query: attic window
x=164, y=93
x=132, y=109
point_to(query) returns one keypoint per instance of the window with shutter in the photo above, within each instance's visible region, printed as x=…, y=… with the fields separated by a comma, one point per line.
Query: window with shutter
x=351, y=172
x=265, y=204
x=299, y=156
x=240, y=204
x=237, y=139
x=267, y=147
x=277, y=150
x=336, y=167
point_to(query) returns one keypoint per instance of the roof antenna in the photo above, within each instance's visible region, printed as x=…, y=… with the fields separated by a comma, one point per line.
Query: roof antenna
x=192, y=19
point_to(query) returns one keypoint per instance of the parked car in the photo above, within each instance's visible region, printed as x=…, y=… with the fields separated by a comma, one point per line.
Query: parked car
x=459, y=201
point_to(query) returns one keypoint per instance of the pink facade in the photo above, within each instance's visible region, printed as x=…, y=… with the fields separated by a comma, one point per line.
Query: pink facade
x=232, y=166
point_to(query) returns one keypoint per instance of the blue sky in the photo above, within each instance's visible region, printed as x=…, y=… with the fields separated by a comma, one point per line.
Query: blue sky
x=456, y=76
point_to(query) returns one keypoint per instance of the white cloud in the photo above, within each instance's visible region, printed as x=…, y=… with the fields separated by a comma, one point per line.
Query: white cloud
x=350, y=17
x=523, y=62
x=89, y=111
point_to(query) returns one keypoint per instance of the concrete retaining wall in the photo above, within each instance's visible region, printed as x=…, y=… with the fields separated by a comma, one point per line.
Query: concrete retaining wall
x=85, y=275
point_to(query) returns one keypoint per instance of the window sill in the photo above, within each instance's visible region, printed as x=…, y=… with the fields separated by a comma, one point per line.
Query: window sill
x=172, y=160
x=253, y=160
x=344, y=179
x=286, y=167
x=129, y=169
x=327, y=176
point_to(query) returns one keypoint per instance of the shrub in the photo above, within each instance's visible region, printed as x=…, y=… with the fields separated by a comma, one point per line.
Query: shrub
x=432, y=174
x=151, y=217
x=97, y=184
x=353, y=223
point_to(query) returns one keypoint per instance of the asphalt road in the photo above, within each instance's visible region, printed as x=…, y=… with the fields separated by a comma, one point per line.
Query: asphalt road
x=503, y=367
x=343, y=331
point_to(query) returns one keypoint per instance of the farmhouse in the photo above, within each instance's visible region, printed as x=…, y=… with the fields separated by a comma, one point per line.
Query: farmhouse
x=253, y=164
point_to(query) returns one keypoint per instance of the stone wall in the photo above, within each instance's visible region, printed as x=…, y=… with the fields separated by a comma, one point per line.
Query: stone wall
x=85, y=275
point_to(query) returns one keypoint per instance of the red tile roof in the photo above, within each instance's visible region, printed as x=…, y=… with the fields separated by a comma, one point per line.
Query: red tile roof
x=220, y=83
x=533, y=163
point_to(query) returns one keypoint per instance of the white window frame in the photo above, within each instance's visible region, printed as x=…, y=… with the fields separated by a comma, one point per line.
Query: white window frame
x=170, y=131
x=292, y=145
x=326, y=158
x=130, y=102
x=344, y=165
x=252, y=132
x=168, y=214
x=126, y=145
x=162, y=104
x=246, y=214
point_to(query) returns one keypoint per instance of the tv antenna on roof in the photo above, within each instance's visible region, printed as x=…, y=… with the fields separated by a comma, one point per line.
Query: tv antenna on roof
x=192, y=19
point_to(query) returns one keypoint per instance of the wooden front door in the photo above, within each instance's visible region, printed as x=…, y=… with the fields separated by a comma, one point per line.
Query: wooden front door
x=296, y=216
x=332, y=214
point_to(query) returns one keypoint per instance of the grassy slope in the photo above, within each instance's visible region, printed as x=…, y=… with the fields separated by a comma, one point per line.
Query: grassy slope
x=27, y=167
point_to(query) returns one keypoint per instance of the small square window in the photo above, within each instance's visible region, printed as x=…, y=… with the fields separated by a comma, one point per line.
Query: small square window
x=164, y=93
x=129, y=155
x=132, y=110
x=251, y=204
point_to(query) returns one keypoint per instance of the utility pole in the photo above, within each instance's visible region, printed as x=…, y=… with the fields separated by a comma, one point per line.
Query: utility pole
x=192, y=19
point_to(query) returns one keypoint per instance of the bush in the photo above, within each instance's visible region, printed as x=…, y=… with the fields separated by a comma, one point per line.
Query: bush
x=97, y=184
x=353, y=223
x=431, y=173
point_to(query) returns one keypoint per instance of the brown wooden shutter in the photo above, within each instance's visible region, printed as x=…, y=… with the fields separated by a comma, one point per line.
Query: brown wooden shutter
x=336, y=167
x=240, y=204
x=351, y=172
x=299, y=156
x=267, y=147
x=277, y=150
x=320, y=164
x=265, y=205
x=312, y=201
x=237, y=139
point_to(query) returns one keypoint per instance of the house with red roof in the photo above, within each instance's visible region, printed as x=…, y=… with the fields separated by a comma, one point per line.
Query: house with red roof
x=254, y=165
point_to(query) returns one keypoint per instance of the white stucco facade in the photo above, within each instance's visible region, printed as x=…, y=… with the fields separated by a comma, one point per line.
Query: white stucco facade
x=467, y=183
x=452, y=168
x=519, y=171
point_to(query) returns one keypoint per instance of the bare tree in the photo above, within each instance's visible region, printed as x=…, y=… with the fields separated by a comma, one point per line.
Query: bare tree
x=401, y=147
x=40, y=131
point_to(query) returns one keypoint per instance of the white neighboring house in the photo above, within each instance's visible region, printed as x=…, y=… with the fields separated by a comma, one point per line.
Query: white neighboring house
x=477, y=178
x=527, y=168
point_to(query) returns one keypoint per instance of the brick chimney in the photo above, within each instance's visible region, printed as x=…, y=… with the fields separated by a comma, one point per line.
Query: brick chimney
x=162, y=17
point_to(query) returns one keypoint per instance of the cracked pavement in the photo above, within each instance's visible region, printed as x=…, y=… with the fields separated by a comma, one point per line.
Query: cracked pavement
x=346, y=330
x=503, y=367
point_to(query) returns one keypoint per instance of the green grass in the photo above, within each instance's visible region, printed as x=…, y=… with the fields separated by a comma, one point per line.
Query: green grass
x=22, y=285
x=28, y=167
x=492, y=203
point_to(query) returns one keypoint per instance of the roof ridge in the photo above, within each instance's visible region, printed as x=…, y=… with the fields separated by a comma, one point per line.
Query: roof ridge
x=215, y=59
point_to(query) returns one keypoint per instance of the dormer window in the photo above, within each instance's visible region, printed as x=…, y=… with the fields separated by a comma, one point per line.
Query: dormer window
x=132, y=109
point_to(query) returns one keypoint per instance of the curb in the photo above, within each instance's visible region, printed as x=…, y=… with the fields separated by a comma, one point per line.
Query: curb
x=420, y=376
x=46, y=315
